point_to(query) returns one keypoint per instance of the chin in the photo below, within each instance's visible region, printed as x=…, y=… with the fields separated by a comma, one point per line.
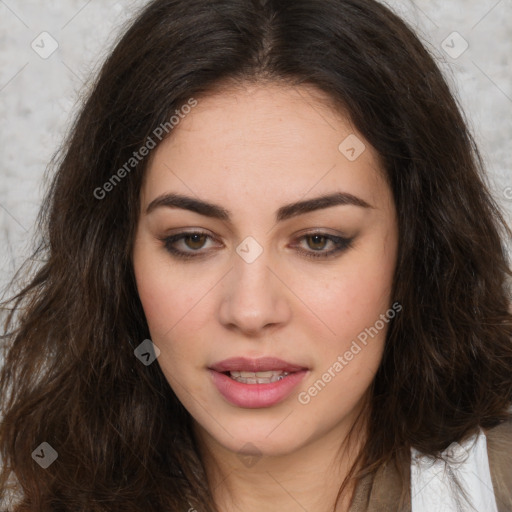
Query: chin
x=269, y=437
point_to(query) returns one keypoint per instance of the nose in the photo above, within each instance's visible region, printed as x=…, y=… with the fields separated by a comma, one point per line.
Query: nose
x=254, y=300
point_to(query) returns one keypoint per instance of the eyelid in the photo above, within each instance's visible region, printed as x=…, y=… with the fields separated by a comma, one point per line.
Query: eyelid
x=320, y=231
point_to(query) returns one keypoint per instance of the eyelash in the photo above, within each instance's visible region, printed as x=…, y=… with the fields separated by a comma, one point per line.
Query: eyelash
x=341, y=244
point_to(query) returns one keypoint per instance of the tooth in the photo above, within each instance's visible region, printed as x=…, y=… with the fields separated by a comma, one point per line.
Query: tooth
x=266, y=375
x=263, y=375
x=277, y=376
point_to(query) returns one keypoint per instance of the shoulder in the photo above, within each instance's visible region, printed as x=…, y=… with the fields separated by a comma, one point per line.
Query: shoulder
x=499, y=442
x=499, y=451
x=503, y=429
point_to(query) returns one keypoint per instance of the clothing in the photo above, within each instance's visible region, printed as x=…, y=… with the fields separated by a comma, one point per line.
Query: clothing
x=482, y=464
x=430, y=486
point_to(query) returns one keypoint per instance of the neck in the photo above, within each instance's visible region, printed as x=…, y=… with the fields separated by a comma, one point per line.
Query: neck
x=307, y=479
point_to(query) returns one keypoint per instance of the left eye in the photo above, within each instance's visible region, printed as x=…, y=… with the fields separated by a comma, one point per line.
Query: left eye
x=318, y=241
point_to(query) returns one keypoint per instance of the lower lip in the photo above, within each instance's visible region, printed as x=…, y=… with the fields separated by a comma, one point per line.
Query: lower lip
x=253, y=396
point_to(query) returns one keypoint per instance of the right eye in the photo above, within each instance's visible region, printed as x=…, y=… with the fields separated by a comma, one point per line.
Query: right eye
x=192, y=240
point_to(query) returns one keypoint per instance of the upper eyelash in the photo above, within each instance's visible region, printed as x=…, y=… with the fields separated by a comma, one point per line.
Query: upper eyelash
x=340, y=243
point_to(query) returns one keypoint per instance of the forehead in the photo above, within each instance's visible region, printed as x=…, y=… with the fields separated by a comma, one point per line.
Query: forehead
x=263, y=141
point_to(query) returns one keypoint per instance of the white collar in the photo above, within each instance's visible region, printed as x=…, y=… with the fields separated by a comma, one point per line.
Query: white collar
x=432, y=482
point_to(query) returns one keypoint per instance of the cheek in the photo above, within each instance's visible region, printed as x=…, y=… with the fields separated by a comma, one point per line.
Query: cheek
x=169, y=309
x=351, y=306
x=164, y=298
x=355, y=297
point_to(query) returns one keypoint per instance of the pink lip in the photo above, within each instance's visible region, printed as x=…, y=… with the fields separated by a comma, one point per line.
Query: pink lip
x=262, y=364
x=253, y=396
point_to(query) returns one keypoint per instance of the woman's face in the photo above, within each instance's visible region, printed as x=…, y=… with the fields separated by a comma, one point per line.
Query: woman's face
x=254, y=272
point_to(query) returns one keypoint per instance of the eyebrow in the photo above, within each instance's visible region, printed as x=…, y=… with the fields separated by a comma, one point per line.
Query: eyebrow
x=284, y=213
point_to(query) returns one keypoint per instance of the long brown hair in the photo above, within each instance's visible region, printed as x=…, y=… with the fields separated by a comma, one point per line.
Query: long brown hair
x=70, y=378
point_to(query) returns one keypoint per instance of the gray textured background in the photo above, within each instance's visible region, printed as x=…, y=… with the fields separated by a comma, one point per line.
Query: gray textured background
x=38, y=95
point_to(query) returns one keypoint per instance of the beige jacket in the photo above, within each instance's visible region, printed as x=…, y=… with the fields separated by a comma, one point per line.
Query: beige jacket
x=381, y=492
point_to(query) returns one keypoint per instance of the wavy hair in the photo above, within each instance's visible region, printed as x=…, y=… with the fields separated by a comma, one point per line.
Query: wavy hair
x=70, y=378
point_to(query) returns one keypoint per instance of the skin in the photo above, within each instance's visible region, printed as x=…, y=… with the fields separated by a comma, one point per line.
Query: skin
x=252, y=150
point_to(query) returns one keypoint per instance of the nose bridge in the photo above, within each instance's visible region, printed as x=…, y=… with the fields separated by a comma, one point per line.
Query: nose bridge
x=252, y=298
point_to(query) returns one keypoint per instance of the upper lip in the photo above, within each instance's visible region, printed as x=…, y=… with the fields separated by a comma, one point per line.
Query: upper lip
x=261, y=364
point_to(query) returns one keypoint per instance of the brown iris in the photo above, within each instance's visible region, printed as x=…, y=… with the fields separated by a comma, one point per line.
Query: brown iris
x=198, y=240
x=322, y=240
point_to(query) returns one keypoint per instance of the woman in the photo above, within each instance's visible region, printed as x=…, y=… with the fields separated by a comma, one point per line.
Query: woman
x=273, y=279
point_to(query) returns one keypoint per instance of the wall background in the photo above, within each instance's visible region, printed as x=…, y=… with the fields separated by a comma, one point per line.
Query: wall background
x=38, y=95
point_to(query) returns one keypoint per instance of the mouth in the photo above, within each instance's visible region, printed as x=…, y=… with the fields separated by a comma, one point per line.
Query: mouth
x=254, y=383
x=261, y=368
